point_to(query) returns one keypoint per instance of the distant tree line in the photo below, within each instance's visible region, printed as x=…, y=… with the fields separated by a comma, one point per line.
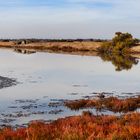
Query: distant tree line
x=26, y=41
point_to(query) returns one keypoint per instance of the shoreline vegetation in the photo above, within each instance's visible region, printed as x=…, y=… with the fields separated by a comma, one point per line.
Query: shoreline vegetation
x=84, y=127
x=113, y=104
x=87, y=126
x=122, y=42
x=123, y=51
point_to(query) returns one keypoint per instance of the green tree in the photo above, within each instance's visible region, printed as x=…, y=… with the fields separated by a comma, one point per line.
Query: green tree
x=119, y=44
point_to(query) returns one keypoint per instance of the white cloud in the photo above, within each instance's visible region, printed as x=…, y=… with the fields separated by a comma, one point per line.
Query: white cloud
x=79, y=19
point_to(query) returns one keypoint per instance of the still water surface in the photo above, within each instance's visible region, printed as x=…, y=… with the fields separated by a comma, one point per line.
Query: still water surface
x=46, y=77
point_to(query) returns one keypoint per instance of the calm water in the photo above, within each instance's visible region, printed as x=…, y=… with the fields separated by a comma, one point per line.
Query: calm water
x=45, y=78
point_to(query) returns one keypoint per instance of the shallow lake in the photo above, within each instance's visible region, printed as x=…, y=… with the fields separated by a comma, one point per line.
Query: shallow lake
x=46, y=79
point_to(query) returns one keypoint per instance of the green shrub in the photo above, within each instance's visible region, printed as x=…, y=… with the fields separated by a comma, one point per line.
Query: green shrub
x=106, y=47
x=119, y=44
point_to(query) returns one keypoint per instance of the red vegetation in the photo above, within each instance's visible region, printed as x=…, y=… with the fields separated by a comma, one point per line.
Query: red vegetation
x=85, y=127
x=112, y=103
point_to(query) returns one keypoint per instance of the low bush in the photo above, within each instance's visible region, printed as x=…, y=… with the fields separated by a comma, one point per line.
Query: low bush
x=84, y=127
x=111, y=103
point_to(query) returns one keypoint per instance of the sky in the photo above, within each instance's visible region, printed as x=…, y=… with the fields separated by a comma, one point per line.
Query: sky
x=68, y=18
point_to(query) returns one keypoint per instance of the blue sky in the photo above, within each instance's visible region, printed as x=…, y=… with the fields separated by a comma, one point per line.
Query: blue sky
x=68, y=18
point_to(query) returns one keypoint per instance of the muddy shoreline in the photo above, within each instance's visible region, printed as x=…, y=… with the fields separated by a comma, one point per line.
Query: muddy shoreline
x=7, y=82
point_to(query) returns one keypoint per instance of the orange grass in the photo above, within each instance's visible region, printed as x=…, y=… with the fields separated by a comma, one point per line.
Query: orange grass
x=84, y=127
x=112, y=103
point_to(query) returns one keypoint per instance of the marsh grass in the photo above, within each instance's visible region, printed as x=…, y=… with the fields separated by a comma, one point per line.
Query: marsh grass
x=84, y=127
x=111, y=103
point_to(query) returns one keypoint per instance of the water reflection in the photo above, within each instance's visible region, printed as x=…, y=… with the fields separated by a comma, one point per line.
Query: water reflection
x=24, y=51
x=46, y=78
x=120, y=61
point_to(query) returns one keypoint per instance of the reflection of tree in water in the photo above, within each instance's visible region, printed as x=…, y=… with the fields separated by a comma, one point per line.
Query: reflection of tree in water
x=121, y=62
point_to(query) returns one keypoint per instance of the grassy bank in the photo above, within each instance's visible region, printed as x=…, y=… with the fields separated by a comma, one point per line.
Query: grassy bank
x=65, y=47
x=55, y=46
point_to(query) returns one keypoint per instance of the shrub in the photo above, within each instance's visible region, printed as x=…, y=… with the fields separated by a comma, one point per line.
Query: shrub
x=106, y=47
x=119, y=44
x=84, y=127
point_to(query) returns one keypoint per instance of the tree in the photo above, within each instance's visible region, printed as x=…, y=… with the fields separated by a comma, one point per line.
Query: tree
x=119, y=44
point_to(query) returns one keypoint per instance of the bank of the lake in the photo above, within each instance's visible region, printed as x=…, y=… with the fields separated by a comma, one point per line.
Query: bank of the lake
x=61, y=45
x=74, y=47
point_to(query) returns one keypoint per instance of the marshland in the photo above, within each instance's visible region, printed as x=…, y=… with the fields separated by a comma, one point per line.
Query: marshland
x=69, y=92
x=69, y=70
